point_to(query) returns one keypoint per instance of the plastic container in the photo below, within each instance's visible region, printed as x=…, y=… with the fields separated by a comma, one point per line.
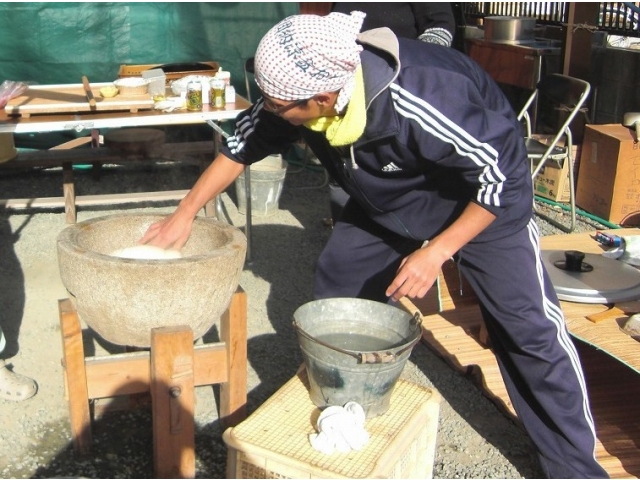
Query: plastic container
x=230, y=94
x=157, y=81
x=206, y=93
x=267, y=179
x=224, y=76
x=273, y=441
x=132, y=86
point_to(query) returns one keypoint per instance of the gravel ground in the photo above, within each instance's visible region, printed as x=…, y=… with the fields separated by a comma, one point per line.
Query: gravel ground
x=475, y=439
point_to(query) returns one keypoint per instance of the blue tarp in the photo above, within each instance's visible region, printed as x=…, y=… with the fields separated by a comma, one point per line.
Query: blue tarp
x=59, y=42
x=51, y=43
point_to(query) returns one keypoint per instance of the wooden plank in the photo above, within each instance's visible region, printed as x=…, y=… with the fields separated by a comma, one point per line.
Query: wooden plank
x=69, y=193
x=233, y=331
x=76, y=142
x=43, y=99
x=128, y=373
x=610, y=314
x=613, y=393
x=56, y=157
x=606, y=334
x=114, y=198
x=172, y=392
x=617, y=445
x=97, y=156
x=103, y=199
x=585, y=242
x=75, y=376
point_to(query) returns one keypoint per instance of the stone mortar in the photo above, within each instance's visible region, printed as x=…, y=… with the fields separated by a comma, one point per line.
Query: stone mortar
x=123, y=299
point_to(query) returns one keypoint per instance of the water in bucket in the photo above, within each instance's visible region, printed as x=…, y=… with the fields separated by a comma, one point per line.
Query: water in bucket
x=354, y=350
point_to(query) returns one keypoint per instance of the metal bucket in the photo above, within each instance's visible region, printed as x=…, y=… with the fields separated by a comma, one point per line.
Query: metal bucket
x=267, y=180
x=354, y=350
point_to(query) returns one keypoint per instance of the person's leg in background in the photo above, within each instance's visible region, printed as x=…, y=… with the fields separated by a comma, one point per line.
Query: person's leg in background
x=14, y=386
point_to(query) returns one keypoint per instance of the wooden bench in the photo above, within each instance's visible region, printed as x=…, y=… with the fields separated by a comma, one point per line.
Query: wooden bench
x=119, y=151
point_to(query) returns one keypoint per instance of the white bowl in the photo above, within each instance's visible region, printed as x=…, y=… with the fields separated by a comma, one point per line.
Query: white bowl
x=180, y=85
x=132, y=86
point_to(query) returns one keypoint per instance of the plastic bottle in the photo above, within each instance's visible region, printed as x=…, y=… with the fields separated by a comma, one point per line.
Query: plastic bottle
x=230, y=94
x=224, y=75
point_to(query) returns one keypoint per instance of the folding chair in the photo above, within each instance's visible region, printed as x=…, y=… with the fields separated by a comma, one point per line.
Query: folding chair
x=632, y=120
x=565, y=95
x=249, y=71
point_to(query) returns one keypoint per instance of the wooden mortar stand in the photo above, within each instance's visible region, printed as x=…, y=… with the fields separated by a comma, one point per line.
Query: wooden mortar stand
x=169, y=371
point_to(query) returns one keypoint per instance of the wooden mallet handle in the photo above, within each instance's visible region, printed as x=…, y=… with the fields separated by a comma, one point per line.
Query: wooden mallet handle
x=87, y=89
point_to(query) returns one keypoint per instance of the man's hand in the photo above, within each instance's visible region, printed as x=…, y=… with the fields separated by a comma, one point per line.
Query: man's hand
x=172, y=231
x=417, y=273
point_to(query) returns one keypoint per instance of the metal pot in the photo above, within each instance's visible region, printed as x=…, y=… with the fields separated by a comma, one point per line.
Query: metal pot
x=509, y=29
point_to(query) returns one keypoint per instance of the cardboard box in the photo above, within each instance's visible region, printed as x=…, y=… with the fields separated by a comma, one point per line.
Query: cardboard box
x=552, y=181
x=609, y=179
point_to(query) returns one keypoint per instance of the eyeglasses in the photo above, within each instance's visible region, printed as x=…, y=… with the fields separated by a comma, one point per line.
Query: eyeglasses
x=269, y=106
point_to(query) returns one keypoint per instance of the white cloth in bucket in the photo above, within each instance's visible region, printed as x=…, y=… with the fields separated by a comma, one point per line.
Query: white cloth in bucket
x=341, y=429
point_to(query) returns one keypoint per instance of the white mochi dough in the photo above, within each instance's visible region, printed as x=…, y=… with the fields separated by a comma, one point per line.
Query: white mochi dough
x=146, y=252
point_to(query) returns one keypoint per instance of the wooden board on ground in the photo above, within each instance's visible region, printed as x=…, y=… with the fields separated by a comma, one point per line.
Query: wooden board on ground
x=49, y=99
x=605, y=335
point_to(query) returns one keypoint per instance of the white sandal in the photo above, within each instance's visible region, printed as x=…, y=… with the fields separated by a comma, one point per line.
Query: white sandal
x=14, y=386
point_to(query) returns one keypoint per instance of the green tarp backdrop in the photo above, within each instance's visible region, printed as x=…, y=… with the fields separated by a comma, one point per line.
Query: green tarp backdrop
x=56, y=43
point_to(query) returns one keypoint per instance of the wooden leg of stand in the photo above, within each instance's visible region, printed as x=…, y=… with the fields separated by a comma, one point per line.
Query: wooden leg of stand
x=76, y=376
x=233, y=332
x=172, y=393
x=69, y=193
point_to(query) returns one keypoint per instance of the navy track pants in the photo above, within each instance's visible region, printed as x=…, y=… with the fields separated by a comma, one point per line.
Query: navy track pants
x=537, y=358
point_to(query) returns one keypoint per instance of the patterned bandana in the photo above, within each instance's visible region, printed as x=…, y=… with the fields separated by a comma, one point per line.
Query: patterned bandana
x=304, y=55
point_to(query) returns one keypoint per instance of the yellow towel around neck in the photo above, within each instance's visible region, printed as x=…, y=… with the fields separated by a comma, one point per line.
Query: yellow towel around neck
x=342, y=131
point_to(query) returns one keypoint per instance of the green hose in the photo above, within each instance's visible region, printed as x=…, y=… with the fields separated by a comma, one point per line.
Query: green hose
x=578, y=211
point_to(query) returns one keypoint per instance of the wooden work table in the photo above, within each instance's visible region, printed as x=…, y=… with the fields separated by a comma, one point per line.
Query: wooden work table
x=604, y=335
x=611, y=360
x=63, y=118
x=80, y=121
